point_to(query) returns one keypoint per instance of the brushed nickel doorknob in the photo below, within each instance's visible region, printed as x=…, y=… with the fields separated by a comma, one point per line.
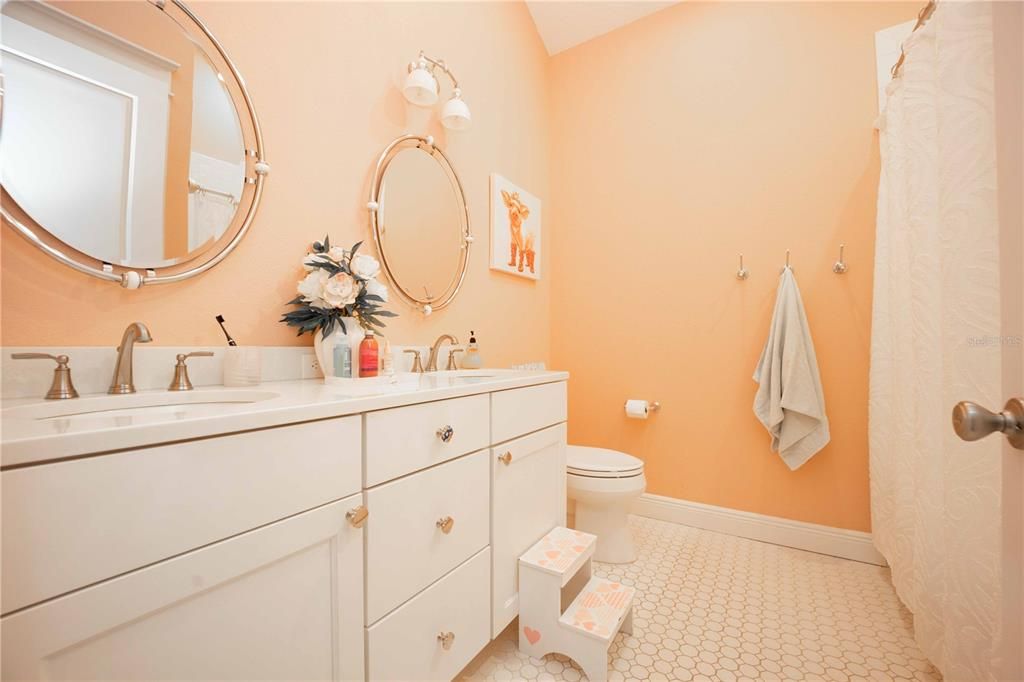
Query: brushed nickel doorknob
x=972, y=422
x=446, y=523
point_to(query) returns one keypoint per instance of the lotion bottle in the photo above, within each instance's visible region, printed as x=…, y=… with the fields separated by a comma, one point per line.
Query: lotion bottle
x=472, y=359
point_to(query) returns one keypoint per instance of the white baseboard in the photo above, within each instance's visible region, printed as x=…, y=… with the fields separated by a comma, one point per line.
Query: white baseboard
x=847, y=544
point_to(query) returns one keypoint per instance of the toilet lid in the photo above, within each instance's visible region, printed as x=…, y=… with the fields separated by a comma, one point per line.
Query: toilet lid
x=588, y=461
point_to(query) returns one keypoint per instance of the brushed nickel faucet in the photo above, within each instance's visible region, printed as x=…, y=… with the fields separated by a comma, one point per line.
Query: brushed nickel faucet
x=61, y=388
x=432, y=359
x=181, y=381
x=122, y=381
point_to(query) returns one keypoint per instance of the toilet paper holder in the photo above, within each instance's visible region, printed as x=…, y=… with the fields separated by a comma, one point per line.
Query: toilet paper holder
x=652, y=405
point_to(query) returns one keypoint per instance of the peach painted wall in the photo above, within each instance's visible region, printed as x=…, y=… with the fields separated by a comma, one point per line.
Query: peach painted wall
x=696, y=133
x=324, y=79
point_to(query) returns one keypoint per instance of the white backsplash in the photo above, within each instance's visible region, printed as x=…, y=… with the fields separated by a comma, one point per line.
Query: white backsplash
x=93, y=366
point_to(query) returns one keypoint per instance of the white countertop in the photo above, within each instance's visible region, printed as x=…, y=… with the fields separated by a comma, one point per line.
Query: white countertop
x=34, y=431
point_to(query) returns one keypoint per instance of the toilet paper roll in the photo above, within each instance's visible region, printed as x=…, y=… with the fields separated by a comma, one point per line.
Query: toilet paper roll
x=637, y=409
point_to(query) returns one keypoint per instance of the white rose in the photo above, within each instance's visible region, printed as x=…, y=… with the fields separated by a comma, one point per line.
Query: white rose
x=365, y=267
x=377, y=289
x=340, y=290
x=311, y=288
x=336, y=253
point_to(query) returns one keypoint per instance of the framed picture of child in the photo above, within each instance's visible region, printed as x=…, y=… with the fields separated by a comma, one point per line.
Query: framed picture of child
x=515, y=229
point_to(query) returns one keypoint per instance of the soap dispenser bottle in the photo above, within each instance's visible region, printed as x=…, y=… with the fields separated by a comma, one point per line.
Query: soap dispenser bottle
x=472, y=359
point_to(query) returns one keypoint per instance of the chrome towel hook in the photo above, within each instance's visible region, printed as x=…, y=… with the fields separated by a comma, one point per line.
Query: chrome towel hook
x=742, y=273
x=787, y=266
x=840, y=265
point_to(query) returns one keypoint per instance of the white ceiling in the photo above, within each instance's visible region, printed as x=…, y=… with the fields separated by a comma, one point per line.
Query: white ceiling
x=564, y=24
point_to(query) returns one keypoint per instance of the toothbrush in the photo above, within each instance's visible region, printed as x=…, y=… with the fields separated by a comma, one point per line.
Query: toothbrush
x=220, y=321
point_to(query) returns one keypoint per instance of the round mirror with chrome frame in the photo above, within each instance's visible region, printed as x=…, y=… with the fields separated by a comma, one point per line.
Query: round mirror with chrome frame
x=217, y=236
x=420, y=222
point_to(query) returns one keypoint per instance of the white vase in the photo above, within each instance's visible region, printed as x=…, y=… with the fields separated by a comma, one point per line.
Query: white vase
x=324, y=348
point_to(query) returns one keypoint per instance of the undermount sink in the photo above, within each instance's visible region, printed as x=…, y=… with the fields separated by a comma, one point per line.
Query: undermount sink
x=162, y=403
x=471, y=374
x=403, y=382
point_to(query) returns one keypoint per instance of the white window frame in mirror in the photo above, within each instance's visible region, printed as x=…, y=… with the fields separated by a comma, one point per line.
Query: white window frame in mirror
x=133, y=278
x=426, y=144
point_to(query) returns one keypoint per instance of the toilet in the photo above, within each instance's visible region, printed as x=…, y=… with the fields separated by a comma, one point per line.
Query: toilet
x=603, y=484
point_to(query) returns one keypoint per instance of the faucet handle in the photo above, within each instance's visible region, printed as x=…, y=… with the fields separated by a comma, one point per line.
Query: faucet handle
x=61, y=388
x=417, y=363
x=451, y=358
x=181, y=381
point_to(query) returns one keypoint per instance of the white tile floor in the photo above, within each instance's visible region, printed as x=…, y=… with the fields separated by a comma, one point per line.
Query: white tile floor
x=716, y=607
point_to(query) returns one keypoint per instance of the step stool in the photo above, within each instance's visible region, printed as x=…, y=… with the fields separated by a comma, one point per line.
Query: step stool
x=558, y=570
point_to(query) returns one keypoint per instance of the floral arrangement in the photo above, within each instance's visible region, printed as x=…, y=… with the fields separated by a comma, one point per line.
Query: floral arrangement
x=339, y=283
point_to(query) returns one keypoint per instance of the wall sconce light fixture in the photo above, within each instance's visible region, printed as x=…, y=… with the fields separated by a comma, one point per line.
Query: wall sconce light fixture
x=421, y=89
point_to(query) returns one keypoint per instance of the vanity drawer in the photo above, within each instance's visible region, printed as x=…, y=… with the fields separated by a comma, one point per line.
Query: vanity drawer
x=406, y=646
x=406, y=439
x=406, y=547
x=523, y=410
x=70, y=524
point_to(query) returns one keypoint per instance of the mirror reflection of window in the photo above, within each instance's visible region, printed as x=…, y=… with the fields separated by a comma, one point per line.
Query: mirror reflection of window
x=216, y=163
x=148, y=166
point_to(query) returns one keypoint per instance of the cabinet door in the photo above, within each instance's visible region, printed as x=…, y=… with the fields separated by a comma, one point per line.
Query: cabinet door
x=528, y=479
x=283, y=602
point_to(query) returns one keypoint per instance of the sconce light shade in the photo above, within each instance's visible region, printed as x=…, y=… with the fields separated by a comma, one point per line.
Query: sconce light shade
x=455, y=114
x=420, y=86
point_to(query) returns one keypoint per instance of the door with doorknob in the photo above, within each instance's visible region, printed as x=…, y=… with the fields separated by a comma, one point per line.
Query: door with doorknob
x=973, y=421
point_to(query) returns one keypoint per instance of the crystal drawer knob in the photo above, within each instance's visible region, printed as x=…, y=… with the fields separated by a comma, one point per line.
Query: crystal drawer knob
x=446, y=433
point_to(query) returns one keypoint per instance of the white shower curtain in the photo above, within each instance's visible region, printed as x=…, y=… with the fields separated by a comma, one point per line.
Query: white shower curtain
x=935, y=500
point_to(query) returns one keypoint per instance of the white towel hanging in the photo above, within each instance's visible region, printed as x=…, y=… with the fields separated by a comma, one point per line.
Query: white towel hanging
x=790, y=401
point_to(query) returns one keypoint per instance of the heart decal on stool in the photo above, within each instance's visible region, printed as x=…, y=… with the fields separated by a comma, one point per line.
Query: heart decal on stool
x=532, y=636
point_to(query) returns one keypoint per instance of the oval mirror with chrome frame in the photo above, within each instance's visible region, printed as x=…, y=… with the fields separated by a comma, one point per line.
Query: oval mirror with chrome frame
x=132, y=150
x=420, y=222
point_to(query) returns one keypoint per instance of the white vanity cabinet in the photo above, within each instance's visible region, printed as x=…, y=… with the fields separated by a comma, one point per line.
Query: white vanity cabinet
x=379, y=545
x=218, y=558
x=283, y=602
